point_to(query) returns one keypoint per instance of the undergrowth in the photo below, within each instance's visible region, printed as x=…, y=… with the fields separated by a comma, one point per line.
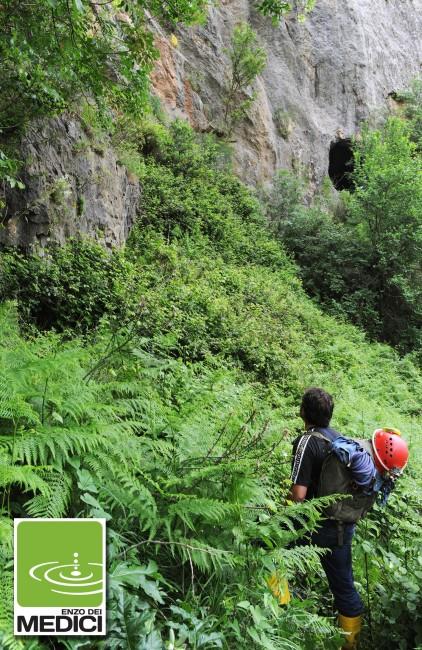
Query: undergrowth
x=158, y=387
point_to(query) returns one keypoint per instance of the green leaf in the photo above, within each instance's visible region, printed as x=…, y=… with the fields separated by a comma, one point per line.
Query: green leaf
x=152, y=642
x=244, y=604
x=151, y=589
x=85, y=481
x=90, y=500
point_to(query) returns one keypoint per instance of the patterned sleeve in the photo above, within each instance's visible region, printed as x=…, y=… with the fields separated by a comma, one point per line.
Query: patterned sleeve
x=302, y=462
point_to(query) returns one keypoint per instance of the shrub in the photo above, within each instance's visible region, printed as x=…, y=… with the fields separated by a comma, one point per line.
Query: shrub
x=363, y=264
x=71, y=288
x=247, y=61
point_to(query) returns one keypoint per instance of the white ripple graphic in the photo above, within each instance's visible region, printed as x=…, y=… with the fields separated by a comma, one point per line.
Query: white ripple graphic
x=61, y=575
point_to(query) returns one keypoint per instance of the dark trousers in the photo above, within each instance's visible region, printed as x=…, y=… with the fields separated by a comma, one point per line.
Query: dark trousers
x=337, y=564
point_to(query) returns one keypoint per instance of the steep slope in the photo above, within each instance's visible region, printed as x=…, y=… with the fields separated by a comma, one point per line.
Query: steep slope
x=174, y=418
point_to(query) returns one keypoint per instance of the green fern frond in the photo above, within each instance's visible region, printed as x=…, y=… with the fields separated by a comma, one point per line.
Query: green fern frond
x=301, y=559
x=132, y=497
x=159, y=449
x=6, y=596
x=13, y=406
x=55, y=504
x=6, y=533
x=305, y=620
x=47, y=444
x=206, y=509
x=27, y=477
x=123, y=428
x=10, y=642
x=204, y=556
x=214, y=470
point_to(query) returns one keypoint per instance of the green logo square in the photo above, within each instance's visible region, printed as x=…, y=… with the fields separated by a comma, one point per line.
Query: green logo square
x=60, y=562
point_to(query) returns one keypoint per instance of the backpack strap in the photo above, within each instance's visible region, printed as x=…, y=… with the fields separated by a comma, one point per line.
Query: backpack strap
x=318, y=434
x=327, y=434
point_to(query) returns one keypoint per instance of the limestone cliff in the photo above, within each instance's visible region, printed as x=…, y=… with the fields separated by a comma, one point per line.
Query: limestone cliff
x=323, y=77
x=73, y=184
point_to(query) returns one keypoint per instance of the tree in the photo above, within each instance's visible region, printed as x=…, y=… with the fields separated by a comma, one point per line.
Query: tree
x=333, y=264
x=366, y=263
x=413, y=110
x=53, y=52
x=247, y=61
x=386, y=212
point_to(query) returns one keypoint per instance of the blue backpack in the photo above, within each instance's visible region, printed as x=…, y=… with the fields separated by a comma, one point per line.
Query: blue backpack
x=348, y=469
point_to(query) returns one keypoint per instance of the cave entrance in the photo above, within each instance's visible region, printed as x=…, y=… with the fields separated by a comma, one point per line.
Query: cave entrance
x=341, y=164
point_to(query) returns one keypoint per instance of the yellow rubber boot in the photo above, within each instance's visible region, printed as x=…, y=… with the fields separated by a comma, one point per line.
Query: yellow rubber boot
x=279, y=588
x=352, y=626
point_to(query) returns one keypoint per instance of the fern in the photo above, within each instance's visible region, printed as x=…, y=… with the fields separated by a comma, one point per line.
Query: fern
x=55, y=504
x=28, y=478
x=206, y=557
x=300, y=559
x=6, y=595
x=53, y=444
x=189, y=473
x=207, y=509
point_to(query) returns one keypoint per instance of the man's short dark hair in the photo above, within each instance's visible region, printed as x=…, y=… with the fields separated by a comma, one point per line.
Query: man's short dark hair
x=317, y=407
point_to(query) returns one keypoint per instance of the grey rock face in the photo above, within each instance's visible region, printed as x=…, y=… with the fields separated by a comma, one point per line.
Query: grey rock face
x=72, y=185
x=323, y=78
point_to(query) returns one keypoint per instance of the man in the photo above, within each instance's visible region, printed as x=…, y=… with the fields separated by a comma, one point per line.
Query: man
x=309, y=453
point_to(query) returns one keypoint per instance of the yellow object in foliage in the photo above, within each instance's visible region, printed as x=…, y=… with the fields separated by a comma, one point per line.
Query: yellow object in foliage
x=352, y=626
x=174, y=40
x=279, y=588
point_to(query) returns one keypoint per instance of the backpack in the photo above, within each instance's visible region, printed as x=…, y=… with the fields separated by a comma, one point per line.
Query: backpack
x=348, y=468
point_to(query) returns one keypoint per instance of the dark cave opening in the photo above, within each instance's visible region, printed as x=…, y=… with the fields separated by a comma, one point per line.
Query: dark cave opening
x=341, y=164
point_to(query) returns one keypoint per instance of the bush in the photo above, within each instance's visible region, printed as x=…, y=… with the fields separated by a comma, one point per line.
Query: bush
x=363, y=264
x=71, y=288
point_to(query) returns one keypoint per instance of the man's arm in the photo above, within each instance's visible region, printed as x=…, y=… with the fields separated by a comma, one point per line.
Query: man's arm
x=302, y=462
x=297, y=493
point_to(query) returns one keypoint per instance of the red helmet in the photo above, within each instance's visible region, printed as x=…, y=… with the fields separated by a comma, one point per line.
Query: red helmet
x=390, y=450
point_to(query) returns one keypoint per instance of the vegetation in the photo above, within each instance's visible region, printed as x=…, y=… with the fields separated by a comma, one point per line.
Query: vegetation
x=70, y=289
x=167, y=455
x=386, y=207
x=247, y=61
x=363, y=262
x=157, y=386
x=173, y=417
x=283, y=122
x=276, y=9
x=412, y=100
x=54, y=52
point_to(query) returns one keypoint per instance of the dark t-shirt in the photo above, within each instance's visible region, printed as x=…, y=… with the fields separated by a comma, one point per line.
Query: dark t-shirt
x=308, y=455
